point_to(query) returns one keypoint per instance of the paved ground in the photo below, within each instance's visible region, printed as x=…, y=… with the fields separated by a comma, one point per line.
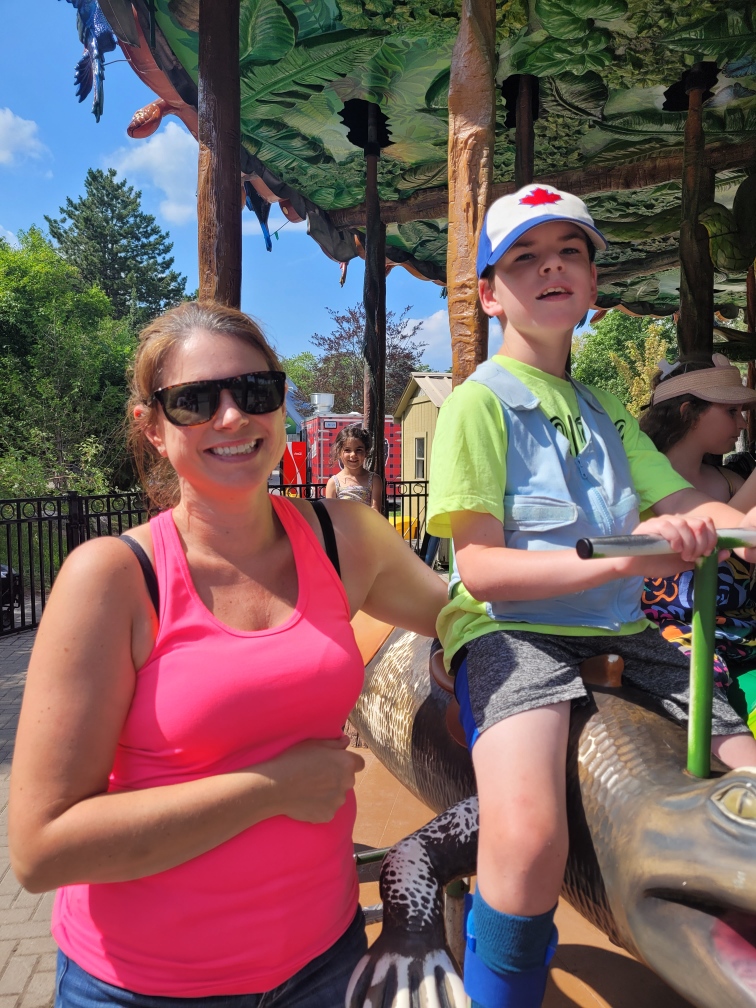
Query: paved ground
x=27, y=952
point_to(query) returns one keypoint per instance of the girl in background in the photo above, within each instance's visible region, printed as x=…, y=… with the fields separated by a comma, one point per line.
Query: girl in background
x=355, y=482
x=697, y=412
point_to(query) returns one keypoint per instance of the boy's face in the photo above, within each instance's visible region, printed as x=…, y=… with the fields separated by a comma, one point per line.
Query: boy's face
x=544, y=283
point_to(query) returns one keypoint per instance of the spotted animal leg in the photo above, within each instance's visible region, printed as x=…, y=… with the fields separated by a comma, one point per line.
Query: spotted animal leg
x=411, y=964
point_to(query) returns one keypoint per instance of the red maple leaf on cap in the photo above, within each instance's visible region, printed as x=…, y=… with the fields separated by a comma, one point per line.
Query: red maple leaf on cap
x=540, y=196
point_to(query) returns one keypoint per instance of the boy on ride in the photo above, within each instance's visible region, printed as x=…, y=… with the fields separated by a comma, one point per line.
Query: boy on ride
x=526, y=461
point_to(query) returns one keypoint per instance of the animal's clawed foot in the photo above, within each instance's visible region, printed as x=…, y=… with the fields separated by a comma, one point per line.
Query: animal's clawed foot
x=387, y=979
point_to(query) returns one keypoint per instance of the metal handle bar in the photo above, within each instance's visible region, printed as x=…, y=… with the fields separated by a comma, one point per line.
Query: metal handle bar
x=702, y=624
x=602, y=547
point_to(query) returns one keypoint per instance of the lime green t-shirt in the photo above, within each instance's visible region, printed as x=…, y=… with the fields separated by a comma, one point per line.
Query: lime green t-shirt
x=468, y=473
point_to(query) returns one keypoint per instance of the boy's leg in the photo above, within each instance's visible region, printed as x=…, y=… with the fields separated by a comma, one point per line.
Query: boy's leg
x=519, y=760
x=658, y=667
x=522, y=849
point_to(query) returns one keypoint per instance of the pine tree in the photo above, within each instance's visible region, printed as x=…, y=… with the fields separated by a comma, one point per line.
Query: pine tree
x=116, y=245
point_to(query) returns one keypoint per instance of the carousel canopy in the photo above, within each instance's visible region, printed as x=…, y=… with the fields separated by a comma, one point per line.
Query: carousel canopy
x=610, y=118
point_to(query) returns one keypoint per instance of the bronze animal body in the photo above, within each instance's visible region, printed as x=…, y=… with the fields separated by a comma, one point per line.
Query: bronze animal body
x=663, y=863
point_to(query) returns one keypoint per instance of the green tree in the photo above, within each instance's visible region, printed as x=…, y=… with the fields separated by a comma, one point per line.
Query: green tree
x=340, y=366
x=62, y=371
x=116, y=245
x=300, y=369
x=594, y=354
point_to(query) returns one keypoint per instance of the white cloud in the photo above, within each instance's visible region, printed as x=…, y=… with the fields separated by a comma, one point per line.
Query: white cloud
x=8, y=235
x=18, y=138
x=435, y=332
x=167, y=161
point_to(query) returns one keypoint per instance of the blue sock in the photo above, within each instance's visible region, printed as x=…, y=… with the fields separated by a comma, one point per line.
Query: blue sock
x=510, y=944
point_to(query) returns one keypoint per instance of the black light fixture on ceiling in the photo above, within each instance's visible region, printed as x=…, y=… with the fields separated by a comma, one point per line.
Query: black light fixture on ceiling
x=702, y=76
x=355, y=116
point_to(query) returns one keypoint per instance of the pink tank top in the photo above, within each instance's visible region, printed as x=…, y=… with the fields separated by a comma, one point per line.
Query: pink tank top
x=246, y=916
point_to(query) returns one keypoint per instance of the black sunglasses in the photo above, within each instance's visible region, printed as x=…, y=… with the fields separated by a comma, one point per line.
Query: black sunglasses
x=197, y=402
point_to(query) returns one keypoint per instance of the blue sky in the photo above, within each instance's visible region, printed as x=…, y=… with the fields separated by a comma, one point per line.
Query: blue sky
x=48, y=141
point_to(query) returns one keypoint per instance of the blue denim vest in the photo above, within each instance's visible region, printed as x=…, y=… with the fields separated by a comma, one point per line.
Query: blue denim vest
x=553, y=498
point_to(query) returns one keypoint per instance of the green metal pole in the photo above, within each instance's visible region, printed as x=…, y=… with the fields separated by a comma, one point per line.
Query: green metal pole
x=702, y=666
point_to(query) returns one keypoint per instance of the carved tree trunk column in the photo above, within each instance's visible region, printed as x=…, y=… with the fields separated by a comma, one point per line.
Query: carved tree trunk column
x=218, y=208
x=472, y=121
x=694, y=328
x=374, y=299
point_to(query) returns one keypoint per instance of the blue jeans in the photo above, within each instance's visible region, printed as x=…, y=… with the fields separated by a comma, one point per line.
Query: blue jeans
x=322, y=983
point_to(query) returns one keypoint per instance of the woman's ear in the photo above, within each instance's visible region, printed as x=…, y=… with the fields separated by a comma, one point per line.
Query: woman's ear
x=150, y=431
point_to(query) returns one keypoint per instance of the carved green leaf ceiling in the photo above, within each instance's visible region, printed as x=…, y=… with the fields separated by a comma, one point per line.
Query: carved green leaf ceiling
x=603, y=69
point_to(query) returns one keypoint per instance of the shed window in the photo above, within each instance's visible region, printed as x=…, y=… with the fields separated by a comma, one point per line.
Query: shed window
x=419, y=458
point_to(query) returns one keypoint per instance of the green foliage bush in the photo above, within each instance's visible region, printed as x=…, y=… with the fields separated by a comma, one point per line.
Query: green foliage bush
x=62, y=370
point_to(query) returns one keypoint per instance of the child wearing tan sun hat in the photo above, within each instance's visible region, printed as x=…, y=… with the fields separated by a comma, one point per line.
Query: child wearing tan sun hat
x=718, y=382
x=695, y=416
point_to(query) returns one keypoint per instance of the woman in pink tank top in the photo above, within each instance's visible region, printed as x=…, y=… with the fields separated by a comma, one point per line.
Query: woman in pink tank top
x=180, y=772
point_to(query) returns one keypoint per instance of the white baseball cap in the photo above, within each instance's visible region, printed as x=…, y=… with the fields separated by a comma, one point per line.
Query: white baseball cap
x=511, y=216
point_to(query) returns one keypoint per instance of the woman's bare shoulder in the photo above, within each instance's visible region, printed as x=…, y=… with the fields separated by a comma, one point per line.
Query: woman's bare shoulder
x=103, y=565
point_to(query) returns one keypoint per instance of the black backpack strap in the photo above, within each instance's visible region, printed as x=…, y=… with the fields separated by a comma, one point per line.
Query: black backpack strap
x=329, y=537
x=150, y=578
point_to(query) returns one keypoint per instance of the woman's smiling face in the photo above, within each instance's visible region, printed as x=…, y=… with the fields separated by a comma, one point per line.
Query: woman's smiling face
x=233, y=450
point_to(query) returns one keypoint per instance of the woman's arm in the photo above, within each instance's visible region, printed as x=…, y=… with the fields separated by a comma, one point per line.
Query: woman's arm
x=381, y=574
x=744, y=497
x=376, y=493
x=64, y=826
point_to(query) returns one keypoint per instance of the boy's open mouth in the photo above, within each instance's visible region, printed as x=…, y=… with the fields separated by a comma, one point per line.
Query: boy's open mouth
x=552, y=292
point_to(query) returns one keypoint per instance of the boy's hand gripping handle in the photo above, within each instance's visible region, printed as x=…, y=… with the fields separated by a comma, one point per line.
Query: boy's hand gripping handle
x=702, y=623
x=602, y=547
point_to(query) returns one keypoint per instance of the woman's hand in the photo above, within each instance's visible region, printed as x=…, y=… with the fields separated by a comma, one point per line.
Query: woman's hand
x=313, y=778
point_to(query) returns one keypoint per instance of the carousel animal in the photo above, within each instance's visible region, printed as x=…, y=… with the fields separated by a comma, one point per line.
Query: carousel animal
x=661, y=862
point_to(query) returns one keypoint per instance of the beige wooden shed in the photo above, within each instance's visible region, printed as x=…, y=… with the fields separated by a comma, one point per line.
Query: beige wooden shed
x=417, y=412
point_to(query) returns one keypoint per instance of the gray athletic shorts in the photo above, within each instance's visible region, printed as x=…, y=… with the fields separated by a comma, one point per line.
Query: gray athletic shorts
x=510, y=671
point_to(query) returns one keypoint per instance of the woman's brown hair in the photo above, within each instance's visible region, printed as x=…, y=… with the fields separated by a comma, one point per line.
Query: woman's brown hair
x=665, y=422
x=156, y=342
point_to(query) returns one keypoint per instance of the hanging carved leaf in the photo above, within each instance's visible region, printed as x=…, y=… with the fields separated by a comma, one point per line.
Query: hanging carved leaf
x=424, y=176
x=281, y=148
x=559, y=20
x=314, y=17
x=265, y=34
x=599, y=10
x=268, y=91
x=557, y=56
x=730, y=34
x=568, y=94
x=658, y=225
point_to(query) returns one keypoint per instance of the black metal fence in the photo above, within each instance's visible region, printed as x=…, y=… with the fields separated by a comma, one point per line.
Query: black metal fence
x=37, y=533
